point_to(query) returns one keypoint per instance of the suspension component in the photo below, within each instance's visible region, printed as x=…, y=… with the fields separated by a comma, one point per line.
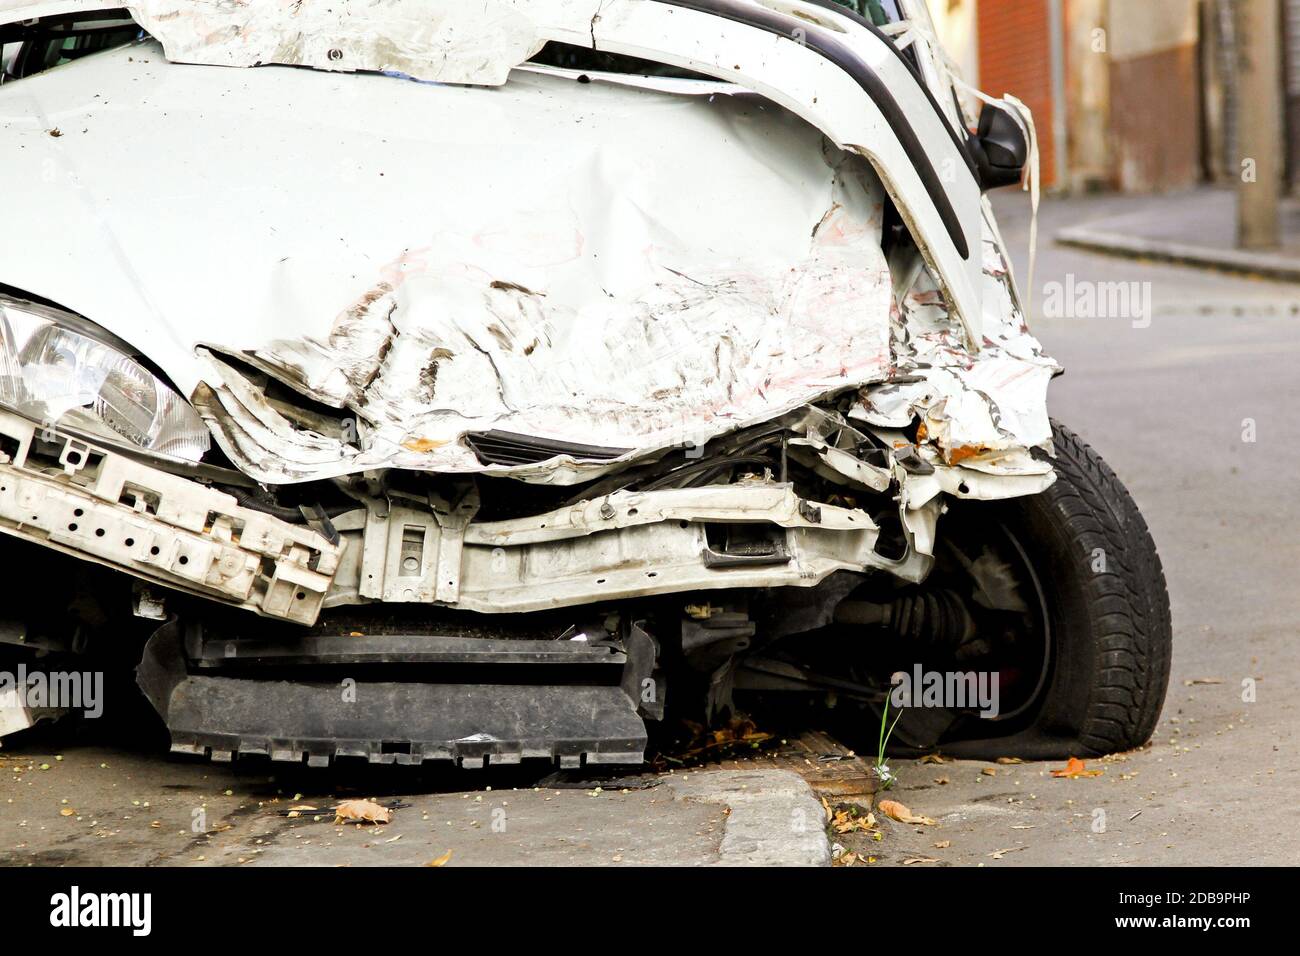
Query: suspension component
x=938, y=618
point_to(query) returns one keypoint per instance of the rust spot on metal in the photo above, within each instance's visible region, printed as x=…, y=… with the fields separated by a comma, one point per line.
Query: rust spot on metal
x=959, y=454
x=422, y=445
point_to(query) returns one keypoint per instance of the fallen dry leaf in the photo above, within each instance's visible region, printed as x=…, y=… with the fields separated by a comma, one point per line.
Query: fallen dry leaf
x=896, y=811
x=943, y=844
x=990, y=771
x=365, y=811
x=999, y=854
x=441, y=861
x=1075, y=768
x=934, y=758
x=941, y=781
x=1202, y=680
x=847, y=821
x=919, y=859
x=67, y=812
x=1009, y=760
x=741, y=732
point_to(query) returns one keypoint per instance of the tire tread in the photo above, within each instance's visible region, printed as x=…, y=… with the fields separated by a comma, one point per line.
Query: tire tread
x=1131, y=620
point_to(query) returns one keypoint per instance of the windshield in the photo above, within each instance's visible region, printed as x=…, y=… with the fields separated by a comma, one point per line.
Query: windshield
x=30, y=48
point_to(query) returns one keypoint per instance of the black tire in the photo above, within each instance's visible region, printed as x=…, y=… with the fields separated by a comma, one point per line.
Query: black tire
x=1107, y=608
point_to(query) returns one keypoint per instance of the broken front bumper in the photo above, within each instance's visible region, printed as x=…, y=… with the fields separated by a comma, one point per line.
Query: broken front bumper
x=98, y=504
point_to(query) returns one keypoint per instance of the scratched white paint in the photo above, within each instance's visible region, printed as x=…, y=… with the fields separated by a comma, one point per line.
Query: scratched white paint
x=621, y=264
x=988, y=410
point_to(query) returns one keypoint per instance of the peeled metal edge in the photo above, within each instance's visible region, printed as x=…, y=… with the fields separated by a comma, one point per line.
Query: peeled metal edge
x=624, y=545
x=189, y=537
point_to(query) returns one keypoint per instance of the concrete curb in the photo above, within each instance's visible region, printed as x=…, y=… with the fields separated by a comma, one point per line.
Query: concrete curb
x=1238, y=261
x=775, y=819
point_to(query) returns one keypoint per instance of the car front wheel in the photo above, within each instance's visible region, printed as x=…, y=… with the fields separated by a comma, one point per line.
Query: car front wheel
x=1105, y=614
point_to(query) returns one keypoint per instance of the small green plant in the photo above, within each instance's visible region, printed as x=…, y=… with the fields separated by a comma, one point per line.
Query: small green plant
x=881, y=769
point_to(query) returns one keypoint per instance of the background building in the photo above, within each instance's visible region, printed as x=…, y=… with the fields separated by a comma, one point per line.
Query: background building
x=1134, y=95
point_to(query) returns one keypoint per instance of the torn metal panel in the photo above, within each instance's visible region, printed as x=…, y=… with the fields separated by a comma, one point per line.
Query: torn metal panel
x=678, y=266
x=640, y=326
x=832, y=448
x=95, y=504
x=101, y=506
x=983, y=414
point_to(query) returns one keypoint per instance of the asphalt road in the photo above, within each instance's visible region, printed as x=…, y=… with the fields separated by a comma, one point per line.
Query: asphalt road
x=1167, y=406
x=1168, y=403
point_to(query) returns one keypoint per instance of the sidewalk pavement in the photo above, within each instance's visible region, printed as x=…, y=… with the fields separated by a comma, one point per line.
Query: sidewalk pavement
x=1195, y=227
x=107, y=806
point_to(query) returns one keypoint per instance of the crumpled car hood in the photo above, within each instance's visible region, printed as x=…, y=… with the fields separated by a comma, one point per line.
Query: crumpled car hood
x=625, y=265
x=583, y=262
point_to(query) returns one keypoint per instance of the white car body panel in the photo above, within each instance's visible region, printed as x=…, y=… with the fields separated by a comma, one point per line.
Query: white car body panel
x=632, y=264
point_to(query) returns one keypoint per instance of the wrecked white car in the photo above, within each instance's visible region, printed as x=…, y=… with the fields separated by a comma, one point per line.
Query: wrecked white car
x=479, y=382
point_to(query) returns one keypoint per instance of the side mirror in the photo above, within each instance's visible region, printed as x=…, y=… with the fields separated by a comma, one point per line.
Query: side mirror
x=999, y=149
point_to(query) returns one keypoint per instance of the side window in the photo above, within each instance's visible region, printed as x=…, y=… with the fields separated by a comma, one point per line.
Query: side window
x=35, y=46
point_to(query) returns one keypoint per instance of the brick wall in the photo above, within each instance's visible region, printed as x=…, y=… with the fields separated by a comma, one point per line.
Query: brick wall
x=1155, y=120
x=1155, y=103
x=1015, y=57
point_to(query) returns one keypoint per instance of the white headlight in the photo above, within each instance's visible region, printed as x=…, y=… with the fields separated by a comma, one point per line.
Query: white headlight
x=59, y=372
